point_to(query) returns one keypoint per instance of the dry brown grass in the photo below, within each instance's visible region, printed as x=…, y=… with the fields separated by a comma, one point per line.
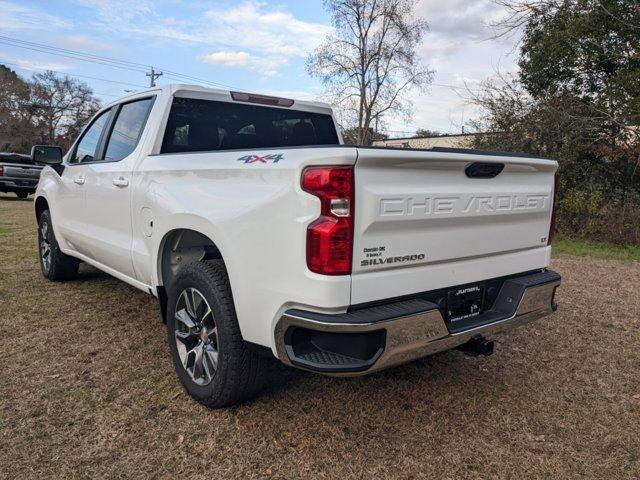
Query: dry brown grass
x=88, y=390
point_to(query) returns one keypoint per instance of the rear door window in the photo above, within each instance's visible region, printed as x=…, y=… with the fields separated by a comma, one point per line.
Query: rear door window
x=127, y=129
x=201, y=125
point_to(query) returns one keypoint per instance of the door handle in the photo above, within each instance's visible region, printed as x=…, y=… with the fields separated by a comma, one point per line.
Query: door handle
x=79, y=180
x=120, y=182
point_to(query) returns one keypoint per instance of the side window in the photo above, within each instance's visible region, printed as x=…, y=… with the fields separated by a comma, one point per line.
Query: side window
x=88, y=144
x=127, y=129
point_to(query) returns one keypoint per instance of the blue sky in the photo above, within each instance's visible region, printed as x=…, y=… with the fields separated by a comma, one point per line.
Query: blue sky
x=250, y=45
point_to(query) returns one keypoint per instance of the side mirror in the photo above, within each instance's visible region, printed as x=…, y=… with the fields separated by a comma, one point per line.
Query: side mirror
x=46, y=154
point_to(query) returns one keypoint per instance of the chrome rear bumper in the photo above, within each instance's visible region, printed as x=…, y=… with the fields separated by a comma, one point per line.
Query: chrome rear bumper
x=404, y=337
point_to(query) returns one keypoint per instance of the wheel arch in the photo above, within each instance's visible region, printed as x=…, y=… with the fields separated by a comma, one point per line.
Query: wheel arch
x=180, y=246
x=40, y=206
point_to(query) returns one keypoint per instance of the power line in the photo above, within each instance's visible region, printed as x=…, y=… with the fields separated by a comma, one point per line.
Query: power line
x=102, y=60
x=103, y=94
x=71, y=74
x=72, y=52
x=181, y=77
x=137, y=67
x=42, y=50
x=134, y=66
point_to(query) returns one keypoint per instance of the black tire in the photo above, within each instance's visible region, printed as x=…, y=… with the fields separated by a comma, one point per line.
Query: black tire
x=240, y=372
x=59, y=267
x=22, y=194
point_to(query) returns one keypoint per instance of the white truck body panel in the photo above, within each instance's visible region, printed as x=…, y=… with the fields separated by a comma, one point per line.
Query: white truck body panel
x=256, y=216
x=409, y=202
x=455, y=229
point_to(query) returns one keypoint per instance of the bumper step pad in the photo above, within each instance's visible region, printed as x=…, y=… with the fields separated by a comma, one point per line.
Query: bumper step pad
x=324, y=357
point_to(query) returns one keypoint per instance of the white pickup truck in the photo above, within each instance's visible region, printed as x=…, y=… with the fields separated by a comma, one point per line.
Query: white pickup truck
x=261, y=233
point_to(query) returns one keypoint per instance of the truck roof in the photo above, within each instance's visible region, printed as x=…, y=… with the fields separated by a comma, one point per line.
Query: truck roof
x=186, y=89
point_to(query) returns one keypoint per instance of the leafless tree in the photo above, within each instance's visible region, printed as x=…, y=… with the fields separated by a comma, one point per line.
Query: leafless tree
x=17, y=130
x=63, y=104
x=369, y=64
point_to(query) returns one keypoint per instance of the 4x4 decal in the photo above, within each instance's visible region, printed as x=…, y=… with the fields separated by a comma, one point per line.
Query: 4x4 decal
x=274, y=157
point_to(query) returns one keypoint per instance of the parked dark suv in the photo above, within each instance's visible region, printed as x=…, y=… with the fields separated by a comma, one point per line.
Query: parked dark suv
x=18, y=174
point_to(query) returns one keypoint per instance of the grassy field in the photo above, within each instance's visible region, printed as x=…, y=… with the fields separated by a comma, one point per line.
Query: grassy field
x=87, y=390
x=600, y=250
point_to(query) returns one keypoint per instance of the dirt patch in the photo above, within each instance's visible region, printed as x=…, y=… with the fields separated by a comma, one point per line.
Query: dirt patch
x=88, y=390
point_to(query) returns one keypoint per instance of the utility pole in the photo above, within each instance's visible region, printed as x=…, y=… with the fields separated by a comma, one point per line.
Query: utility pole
x=152, y=77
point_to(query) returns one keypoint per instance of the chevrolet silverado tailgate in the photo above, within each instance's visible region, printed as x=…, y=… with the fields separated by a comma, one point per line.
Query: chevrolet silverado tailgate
x=433, y=219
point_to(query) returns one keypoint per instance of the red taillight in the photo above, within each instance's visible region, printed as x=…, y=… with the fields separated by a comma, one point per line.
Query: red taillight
x=1, y=171
x=554, y=207
x=330, y=236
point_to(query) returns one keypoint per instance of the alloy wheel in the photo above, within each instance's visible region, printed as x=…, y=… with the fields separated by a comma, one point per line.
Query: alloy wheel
x=45, y=246
x=196, y=336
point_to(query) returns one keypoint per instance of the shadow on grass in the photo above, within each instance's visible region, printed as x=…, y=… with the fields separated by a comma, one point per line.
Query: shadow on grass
x=432, y=376
x=88, y=272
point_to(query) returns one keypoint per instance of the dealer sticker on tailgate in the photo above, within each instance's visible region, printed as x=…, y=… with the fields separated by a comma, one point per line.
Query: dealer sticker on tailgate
x=464, y=302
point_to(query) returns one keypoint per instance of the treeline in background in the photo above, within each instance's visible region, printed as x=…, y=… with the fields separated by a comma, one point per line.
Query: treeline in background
x=576, y=99
x=45, y=109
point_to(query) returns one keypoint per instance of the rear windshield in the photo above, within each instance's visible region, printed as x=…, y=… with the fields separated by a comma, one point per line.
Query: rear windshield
x=201, y=125
x=15, y=158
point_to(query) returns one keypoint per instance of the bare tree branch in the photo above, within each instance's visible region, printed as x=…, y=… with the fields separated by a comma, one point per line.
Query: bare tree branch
x=372, y=53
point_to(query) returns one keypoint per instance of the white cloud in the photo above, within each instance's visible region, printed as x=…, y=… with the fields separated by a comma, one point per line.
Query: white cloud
x=82, y=42
x=461, y=28
x=265, y=66
x=436, y=49
x=461, y=48
x=228, y=59
x=117, y=13
x=252, y=25
x=461, y=18
x=34, y=65
x=443, y=109
x=15, y=17
x=249, y=35
x=309, y=95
